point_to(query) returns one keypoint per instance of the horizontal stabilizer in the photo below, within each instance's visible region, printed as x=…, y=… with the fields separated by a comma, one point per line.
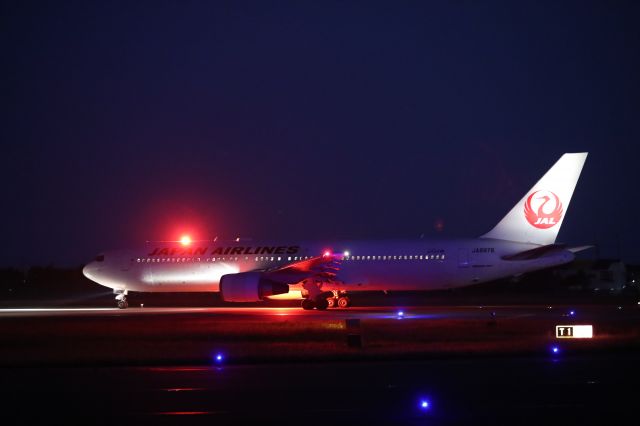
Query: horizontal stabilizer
x=579, y=248
x=536, y=253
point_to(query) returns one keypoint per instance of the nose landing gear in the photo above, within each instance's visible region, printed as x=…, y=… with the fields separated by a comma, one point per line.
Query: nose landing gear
x=121, y=299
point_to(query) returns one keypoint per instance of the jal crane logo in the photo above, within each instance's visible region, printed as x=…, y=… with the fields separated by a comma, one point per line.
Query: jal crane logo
x=543, y=209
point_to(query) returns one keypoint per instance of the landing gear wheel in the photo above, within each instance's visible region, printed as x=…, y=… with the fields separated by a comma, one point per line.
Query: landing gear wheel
x=123, y=304
x=308, y=304
x=344, y=302
x=332, y=302
x=322, y=304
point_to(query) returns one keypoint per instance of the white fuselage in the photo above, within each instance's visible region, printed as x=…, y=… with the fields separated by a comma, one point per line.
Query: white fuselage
x=523, y=241
x=394, y=265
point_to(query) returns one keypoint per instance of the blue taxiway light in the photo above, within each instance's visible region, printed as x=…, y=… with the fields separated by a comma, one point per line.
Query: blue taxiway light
x=219, y=358
x=572, y=313
x=424, y=405
x=555, y=349
x=400, y=313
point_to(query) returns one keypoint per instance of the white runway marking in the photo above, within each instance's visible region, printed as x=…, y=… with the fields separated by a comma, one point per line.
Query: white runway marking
x=55, y=309
x=373, y=312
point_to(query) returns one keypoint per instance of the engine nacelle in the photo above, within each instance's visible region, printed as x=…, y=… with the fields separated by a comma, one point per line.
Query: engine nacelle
x=249, y=287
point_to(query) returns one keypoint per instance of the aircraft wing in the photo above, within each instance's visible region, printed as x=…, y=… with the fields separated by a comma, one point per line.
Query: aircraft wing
x=323, y=267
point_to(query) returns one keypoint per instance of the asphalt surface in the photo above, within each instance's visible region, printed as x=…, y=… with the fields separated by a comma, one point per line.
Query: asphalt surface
x=53, y=368
x=552, y=389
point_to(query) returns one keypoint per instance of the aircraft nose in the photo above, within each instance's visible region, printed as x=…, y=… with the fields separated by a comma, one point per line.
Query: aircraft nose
x=90, y=270
x=86, y=271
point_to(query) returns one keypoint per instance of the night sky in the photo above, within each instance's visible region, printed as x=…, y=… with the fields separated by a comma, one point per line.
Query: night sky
x=131, y=121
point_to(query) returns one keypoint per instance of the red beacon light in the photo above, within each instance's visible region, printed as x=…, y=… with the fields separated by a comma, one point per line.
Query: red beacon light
x=185, y=240
x=327, y=253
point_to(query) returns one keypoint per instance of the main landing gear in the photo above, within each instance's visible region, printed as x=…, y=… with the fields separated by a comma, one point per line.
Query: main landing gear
x=121, y=299
x=344, y=302
x=339, y=299
x=322, y=302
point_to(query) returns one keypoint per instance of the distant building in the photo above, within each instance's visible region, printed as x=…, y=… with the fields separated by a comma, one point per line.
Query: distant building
x=596, y=275
x=608, y=274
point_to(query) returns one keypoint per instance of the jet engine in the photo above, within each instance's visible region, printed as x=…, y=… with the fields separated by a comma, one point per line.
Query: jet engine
x=249, y=287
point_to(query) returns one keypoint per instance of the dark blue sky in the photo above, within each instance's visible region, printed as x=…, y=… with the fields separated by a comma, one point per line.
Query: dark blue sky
x=130, y=121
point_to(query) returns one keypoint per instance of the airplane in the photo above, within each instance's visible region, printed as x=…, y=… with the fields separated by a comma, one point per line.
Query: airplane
x=323, y=274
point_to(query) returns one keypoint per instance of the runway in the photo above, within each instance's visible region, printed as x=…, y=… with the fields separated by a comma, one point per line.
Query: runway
x=111, y=336
x=274, y=314
x=395, y=312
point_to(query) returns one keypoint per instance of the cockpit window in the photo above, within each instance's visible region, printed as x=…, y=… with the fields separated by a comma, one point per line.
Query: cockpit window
x=100, y=258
